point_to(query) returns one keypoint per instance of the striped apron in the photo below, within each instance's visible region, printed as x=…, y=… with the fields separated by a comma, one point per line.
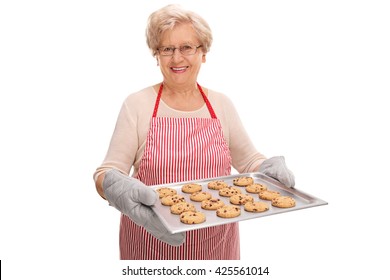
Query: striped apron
x=182, y=149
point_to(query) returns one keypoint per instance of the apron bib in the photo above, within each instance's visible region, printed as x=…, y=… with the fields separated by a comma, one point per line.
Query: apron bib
x=182, y=149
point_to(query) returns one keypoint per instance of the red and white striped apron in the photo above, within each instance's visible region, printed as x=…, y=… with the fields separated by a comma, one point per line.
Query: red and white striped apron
x=182, y=149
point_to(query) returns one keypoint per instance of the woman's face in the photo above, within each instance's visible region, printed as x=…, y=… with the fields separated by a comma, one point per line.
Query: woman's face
x=179, y=69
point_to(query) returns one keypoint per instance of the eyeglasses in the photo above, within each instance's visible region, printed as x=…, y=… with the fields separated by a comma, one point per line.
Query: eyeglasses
x=184, y=50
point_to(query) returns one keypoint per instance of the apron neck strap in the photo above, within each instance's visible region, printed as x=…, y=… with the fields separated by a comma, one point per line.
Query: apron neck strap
x=208, y=104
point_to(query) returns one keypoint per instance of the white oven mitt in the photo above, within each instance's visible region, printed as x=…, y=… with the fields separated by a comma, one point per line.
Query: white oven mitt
x=276, y=168
x=132, y=198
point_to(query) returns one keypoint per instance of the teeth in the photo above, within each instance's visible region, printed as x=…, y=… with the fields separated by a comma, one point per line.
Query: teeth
x=178, y=69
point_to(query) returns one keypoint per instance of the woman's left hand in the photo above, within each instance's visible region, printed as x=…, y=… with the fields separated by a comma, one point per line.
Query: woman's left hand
x=276, y=168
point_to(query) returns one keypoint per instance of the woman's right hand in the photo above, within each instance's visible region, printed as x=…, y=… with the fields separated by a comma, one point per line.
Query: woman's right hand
x=133, y=198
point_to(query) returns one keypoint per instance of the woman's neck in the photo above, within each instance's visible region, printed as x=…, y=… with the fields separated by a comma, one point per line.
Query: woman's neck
x=178, y=90
x=182, y=98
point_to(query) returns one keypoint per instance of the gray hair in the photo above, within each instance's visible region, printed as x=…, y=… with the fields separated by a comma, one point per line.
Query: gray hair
x=167, y=18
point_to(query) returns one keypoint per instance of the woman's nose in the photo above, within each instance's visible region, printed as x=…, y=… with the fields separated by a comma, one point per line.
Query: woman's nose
x=177, y=56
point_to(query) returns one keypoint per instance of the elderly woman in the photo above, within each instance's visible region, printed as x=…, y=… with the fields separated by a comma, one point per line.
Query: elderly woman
x=176, y=131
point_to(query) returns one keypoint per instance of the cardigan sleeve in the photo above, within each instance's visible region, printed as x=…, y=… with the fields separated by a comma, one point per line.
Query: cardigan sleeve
x=245, y=156
x=123, y=145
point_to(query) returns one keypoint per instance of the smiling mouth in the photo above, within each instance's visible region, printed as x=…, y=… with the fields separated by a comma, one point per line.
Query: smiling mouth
x=179, y=69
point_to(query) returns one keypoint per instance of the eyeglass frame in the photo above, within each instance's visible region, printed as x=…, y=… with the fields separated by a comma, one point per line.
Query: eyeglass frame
x=179, y=48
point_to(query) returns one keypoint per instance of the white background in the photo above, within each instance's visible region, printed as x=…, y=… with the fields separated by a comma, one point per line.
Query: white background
x=309, y=79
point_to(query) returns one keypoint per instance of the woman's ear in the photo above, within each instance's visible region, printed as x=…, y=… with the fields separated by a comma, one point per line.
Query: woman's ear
x=204, y=58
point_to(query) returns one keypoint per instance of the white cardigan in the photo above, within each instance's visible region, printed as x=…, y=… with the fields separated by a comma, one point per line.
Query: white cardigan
x=128, y=140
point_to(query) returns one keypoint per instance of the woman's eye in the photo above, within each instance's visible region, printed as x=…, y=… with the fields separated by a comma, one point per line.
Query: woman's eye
x=167, y=49
x=186, y=48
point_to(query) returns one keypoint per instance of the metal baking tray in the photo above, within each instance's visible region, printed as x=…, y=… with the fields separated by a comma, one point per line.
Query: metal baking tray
x=172, y=221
